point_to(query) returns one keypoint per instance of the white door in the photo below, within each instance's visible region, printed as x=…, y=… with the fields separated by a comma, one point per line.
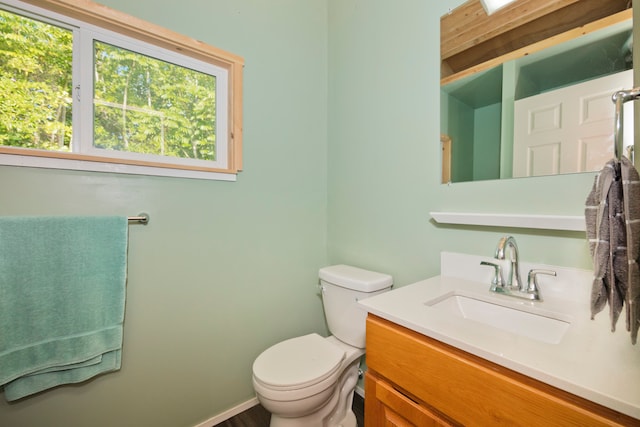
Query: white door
x=569, y=129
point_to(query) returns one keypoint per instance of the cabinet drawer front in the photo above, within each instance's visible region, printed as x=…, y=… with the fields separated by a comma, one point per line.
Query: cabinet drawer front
x=471, y=390
x=398, y=410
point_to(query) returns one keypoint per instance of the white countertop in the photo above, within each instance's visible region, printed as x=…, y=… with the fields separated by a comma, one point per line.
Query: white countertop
x=589, y=361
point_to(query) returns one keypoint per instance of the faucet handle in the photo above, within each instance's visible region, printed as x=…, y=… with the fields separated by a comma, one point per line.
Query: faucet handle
x=532, y=282
x=498, y=281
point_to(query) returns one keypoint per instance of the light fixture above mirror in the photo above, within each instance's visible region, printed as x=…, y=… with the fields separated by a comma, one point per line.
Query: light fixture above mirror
x=491, y=6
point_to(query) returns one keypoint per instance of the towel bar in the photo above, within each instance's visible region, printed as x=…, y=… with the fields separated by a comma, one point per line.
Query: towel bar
x=142, y=218
x=620, y=98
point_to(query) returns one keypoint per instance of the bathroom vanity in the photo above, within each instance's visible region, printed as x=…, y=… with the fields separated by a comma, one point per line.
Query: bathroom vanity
x=434, y=360
x=414, y=380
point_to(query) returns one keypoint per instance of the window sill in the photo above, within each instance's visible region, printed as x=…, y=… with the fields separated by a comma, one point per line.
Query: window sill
x=95, y=166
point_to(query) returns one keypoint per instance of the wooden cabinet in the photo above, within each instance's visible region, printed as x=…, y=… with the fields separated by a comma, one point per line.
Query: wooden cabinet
x=414, y=380
x=391, y=407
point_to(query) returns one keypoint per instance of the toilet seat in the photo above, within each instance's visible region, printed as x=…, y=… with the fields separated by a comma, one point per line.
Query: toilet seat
x=297, y=363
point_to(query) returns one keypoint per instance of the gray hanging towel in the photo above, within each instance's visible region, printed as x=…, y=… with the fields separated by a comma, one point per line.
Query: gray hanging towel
x=612, y=217
x=631, y=196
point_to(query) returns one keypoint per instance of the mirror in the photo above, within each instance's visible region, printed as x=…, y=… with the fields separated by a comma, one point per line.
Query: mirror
x=542, y=109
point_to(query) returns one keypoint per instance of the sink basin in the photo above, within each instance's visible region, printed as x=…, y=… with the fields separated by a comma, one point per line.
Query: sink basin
x=525, y=321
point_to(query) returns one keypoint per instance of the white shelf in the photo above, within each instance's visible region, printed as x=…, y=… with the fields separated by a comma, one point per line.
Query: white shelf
x=546, y=222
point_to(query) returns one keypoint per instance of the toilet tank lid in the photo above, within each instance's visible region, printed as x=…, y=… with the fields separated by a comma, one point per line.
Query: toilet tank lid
x=355, y=278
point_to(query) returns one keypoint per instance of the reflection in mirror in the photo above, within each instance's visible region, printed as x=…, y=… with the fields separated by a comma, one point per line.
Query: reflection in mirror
x=545, y=113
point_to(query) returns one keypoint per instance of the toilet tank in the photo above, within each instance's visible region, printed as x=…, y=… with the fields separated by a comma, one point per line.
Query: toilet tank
x=342, y=287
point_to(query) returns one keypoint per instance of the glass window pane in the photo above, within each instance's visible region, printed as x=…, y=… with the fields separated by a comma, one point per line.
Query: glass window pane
x=146, y=105
x=35, y=84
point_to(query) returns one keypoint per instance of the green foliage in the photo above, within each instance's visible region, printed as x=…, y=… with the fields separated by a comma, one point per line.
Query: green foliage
x=35, y=84
x=145, y=105
x=141, y=104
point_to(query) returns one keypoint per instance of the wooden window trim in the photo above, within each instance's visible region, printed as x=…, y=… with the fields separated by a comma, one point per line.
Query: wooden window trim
x=119, y=22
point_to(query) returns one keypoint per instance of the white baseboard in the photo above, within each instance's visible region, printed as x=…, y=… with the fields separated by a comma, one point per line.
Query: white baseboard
x=230, y=413
x=243, y=407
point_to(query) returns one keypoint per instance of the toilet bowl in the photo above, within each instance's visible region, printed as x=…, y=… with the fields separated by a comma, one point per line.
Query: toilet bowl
x=300, y=376
x=309, y=381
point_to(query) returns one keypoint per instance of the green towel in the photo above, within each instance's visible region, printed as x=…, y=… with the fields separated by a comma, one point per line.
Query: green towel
x=62, y=297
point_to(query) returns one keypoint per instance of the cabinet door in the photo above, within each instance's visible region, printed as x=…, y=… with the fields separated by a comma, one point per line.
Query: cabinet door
x=388, y=407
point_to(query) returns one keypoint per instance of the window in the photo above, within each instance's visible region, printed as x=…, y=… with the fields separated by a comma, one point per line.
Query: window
x=86, y=87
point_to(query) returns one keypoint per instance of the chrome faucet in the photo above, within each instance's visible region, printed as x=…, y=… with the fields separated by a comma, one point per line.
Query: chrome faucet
x=513, y=280
x=514, y=286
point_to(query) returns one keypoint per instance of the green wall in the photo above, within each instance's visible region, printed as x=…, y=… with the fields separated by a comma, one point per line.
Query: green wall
x=486, y=150
x=341, y=148
x=384, y=153
x=461, y=129
x=223, y=270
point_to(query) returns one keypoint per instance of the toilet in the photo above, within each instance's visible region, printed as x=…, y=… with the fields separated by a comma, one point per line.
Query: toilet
x=309, y=381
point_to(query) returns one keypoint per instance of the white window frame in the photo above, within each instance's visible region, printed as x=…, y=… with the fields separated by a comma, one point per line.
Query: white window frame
x=90, y=21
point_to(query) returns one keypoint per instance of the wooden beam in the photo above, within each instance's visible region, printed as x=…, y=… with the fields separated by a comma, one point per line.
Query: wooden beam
x=469, y=24
x=449, y=75
x=469, y=37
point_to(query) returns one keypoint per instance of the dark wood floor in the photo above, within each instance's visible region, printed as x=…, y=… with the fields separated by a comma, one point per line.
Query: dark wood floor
x=259, y=417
